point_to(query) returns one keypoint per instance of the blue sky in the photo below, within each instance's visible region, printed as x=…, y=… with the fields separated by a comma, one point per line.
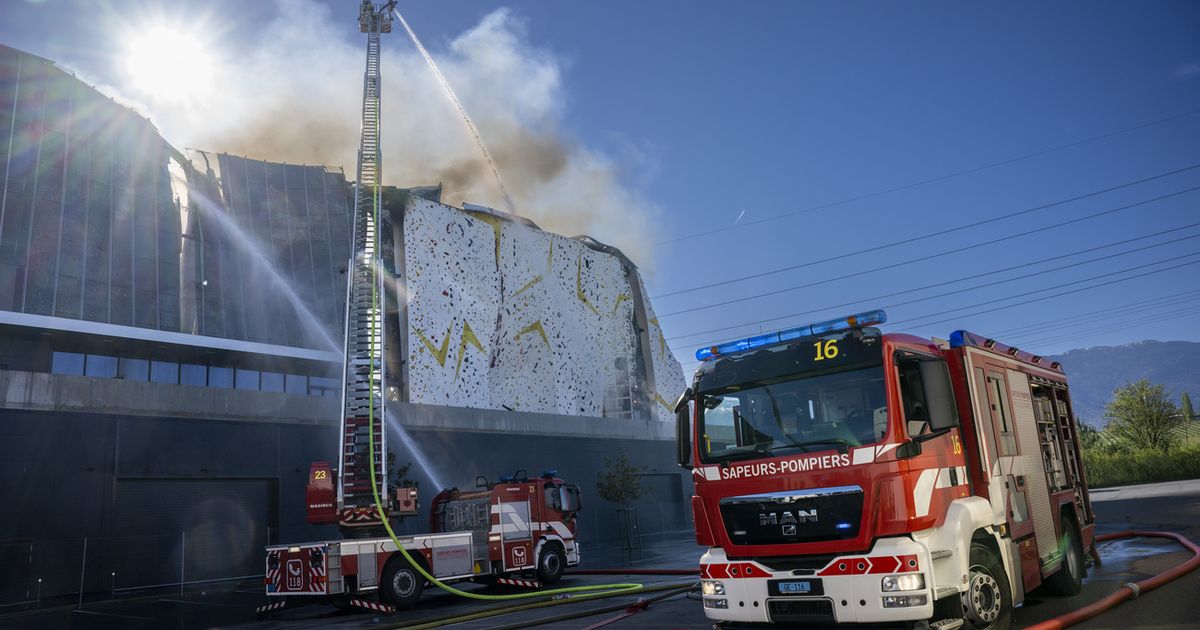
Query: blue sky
x=707, y=110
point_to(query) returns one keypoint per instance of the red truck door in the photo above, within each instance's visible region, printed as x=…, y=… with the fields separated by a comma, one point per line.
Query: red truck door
x=516, y=535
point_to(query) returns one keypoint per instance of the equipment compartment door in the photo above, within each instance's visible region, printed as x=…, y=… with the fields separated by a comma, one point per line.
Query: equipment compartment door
x=516, y=535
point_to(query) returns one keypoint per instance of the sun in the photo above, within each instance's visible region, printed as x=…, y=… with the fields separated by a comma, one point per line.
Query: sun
x=168, y=63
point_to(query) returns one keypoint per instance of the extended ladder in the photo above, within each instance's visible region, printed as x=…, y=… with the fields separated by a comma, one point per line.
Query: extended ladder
x=363, y=381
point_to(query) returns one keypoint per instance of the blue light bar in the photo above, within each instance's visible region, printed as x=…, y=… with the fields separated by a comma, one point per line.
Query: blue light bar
x=858, y=320
x=844, y=526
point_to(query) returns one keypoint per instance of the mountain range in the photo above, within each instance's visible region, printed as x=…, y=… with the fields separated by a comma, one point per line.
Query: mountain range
x=1095, y=372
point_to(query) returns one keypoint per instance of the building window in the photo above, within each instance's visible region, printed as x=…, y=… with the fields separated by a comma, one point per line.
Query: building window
x=67, y=363
x=318, y=386
x=272, y=382
x=134, y=369
x=164, y=372
x=245, y=379
x=101, y=366
x=220, y=377
x=297, y=384
x=192, y=374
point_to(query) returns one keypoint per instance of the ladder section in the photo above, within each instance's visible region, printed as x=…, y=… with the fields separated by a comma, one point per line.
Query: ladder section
x=364, y=378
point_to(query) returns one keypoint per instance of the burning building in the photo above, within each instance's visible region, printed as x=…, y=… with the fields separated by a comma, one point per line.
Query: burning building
x=170, y=330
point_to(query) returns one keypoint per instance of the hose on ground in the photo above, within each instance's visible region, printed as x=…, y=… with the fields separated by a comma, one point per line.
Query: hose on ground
x=1129, y=590
x=437, y=622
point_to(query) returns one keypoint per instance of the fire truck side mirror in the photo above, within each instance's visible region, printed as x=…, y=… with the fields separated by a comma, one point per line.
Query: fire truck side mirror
x=683, y=429
x=570, y=498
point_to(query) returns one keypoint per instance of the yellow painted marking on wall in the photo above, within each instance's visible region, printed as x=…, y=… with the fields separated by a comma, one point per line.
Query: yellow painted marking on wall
x=620, y=298
x=468, y=336
x=550, y=256
x=528, y=285
x=662, y=339
x=438, y=353
x=662, y=401
x=496, y=223
x=579, y=285
x=534, y=327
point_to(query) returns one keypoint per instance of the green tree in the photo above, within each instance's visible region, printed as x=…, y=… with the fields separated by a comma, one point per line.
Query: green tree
x=619, y=482
x=1089, y=436
x=1185, y=407
x=1142, y=415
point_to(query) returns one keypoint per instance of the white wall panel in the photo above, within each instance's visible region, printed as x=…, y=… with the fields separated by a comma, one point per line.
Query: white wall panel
x=503, y=315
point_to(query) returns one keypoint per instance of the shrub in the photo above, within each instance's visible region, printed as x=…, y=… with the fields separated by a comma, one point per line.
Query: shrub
x=1141, y=466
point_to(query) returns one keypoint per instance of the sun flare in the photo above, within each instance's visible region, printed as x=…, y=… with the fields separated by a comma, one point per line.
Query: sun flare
x=168, y=63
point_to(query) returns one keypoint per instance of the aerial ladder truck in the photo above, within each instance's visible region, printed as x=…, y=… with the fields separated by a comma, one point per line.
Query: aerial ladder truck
x=515, y=526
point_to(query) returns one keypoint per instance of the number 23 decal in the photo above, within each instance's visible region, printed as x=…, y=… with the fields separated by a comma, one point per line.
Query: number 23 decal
x=319, y=474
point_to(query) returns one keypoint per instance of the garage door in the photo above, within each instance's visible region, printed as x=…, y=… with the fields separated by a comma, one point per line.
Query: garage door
x=211, y=528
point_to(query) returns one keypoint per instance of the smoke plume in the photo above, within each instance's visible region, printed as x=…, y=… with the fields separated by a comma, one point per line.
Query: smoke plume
x=296, y=97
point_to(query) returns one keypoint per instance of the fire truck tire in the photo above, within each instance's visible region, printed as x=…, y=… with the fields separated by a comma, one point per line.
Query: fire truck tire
x=551, y=564
x=988, y=603
x=1068, y=580
x=401, y=584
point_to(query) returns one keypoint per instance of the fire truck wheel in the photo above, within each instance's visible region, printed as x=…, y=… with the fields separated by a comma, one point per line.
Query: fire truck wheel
x=987, y=603
x=551, y=564
x=1068, y=580
x=400, y=585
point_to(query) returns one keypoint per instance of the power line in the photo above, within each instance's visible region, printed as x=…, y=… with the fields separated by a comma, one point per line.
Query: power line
x=1098, y=315
x=1043, y=290
x=932, y=256
x=956, y=280
x=931, y=180
x=922, y=237
x=1057, y=295
x=1112, y=327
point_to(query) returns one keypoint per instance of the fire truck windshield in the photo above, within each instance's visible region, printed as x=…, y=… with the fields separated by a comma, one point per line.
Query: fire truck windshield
x=815, y=395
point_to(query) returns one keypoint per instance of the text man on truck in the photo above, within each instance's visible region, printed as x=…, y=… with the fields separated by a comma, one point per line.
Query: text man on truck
x=844, y=475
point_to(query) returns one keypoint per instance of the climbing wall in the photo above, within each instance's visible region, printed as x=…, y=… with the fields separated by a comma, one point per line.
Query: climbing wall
x=669, y=380
x=503, y=315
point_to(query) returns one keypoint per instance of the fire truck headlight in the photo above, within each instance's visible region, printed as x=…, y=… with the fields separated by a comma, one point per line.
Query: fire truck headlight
x=712, y=587
x=907, y=582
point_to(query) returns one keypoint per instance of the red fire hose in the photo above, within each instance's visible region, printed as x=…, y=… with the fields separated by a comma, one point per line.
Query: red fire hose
x=1131, y=589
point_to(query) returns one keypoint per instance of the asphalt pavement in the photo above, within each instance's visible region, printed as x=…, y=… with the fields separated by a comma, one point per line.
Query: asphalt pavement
x=1172, y=506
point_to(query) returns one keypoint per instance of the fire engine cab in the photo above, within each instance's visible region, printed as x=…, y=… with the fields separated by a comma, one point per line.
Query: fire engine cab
x=843, y=475
x=516, y=526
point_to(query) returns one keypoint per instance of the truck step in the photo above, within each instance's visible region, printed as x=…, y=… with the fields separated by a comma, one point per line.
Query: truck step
x=270, y=608
x=372, y=606
x=519, y=582
x=938, y=554
x=946, y=624
x=945, y=591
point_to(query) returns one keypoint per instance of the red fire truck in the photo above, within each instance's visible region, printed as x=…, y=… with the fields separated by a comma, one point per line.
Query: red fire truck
x=517, y=526
x=848, y=476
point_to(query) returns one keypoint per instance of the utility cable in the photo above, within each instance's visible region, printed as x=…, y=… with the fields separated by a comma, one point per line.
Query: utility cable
x=1028, y=293
x=1144, y=318
x=930, y=180
x=1057, y=295
x=954, y=281
x=948, y=252
x=933, y=256
x=1098, y=315
x=922, y=237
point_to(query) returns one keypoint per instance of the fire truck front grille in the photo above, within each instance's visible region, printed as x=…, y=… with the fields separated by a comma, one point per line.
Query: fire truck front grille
x=798, y=516
x=798, y=565
x=805, y=610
